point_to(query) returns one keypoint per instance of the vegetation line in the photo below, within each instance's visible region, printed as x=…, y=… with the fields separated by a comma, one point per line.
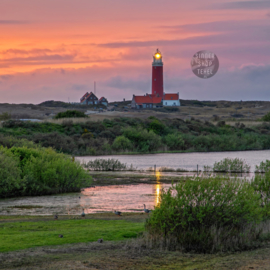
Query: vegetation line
x=138, y=136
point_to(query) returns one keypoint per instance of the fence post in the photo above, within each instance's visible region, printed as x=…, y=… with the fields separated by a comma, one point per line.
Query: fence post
x=155, y=168
x=197, y=169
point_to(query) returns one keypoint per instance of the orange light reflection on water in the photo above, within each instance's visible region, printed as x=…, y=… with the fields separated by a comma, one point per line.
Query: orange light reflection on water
x=158, y=186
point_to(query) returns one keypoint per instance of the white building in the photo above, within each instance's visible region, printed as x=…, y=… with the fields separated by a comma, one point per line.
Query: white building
x=171, y=100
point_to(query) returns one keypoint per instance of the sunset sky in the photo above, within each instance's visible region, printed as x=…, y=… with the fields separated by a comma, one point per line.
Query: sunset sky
x=56, y=49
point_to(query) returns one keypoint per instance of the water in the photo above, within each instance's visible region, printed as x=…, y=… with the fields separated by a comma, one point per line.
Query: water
x=187, y=161
x=124, y=198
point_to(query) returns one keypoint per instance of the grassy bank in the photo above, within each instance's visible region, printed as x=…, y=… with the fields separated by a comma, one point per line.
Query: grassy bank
x=151, y=135
x=18, y=235
x=120, y=254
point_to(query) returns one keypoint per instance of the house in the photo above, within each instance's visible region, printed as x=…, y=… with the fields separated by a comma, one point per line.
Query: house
x=89, y=98
x=147, y=101
x=103, y=101
x=171, y=100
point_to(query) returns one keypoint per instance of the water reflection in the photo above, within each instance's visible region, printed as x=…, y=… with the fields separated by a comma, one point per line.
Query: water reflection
x=157, y=186
x=157, y=193
x=124, y=198
x=158, y=174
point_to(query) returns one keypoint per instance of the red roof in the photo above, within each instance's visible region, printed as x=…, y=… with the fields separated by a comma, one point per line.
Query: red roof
x=171, y=97
x=147, y=99
x=84, y=96
x=102, y=98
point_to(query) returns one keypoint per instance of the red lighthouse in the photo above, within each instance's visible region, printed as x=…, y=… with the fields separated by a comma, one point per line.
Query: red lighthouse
x=157, y=75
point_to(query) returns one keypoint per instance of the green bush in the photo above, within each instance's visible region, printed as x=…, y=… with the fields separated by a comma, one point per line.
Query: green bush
x=70, y=114
x=107, y=165
x=10, y=175
x=157, y=126
x=9, y=141
x=174, y=141
x=231, y=165
x=39, y=172
x=143, y=140
x=266, y=117
x=122, y=143
x=263, y=167
x=206, y=215
x=261, y=184
x=5, y=116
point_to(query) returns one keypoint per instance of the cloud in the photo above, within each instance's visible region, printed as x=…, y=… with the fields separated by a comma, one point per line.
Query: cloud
x=45, y=56
x=79, y=87
x=119, y=82
x=219, y=26
x=13, y=22
x=249, y=5
x=153, y=43
x=222, y=33
x=6, y=77
x=25, y=52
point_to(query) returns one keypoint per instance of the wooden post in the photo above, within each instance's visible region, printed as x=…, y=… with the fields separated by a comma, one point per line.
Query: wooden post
x=154, y=168
x=197, y=169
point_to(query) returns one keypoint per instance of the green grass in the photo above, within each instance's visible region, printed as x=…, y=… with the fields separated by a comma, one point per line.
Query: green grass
x=22, y=235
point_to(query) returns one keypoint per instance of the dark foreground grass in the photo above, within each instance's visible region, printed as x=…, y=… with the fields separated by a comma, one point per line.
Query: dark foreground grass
x=22, y=235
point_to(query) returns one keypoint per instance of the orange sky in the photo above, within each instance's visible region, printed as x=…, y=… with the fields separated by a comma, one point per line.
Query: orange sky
x=112, y=42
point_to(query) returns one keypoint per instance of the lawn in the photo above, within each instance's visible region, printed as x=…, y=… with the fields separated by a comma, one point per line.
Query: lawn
x=22, y=235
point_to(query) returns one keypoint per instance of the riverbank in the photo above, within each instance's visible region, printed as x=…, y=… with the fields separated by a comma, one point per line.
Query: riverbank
x=121, y=254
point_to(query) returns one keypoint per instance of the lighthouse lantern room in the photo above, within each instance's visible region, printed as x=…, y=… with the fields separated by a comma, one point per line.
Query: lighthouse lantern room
x=157, y=75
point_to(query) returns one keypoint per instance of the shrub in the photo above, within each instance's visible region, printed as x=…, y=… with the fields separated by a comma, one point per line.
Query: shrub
x=263, y=167
x=122, y=143
x=40, y=171
x=107, y=165
x=221, y=124
x=231, y=165
x=206, y=215
x=53, y=173
x=10, y=175
x=143, y=140
x=5, y=116
x=9, y=141
x=157, y=127
x=174, y=141
x=266, y=117
x=70, y=114
x=60, y=142
x=261, y=184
